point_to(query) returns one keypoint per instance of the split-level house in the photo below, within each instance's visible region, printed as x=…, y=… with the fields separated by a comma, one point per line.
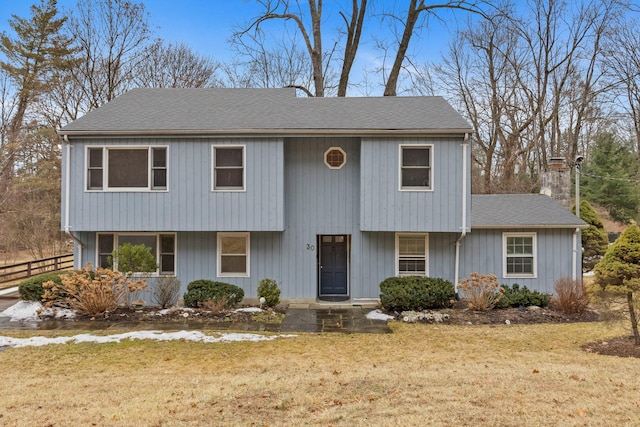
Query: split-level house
x=327, y=196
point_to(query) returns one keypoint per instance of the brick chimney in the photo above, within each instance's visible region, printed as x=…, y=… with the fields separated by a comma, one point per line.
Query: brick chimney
x=556, y=181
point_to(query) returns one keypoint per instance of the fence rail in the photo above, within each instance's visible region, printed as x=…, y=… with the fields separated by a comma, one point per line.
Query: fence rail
x=24, y=270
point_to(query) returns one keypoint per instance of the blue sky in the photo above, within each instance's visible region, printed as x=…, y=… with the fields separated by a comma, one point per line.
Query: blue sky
x=206, y=25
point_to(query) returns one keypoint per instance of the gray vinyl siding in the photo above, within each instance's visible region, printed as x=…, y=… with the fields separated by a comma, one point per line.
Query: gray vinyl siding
x=385, y=208
x=189, y=204
x=482, y=252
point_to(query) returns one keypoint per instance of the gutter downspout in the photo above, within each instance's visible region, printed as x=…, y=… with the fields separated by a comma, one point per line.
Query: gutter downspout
x=67, y=200
x=463, y=233
x=574, y=275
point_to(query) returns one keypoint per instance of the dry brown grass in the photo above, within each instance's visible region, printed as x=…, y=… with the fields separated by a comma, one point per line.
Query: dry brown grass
x=420, y=375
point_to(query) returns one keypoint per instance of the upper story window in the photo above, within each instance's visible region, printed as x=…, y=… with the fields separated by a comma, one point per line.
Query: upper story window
x=415, y=167
x=519, y=251
x=228, y=168
x=335, y=158
x=127, y=168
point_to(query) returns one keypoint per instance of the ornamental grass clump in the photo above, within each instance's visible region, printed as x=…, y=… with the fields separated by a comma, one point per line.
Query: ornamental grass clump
x=481, y=291
x=91, y=293
x=571, y=296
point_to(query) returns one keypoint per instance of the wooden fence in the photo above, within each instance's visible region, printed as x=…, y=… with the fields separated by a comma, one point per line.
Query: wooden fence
x=23, y=270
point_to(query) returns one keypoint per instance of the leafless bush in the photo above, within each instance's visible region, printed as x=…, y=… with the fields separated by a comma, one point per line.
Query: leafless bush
x=215, y=305
x=571, y=296
x=91, y=293
x=166, y=291
x=482, y=291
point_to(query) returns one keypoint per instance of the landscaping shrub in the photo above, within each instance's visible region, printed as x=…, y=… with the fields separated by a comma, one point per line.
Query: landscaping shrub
x=90, y=293
x=268, y=289
x=571, y=296
x=165, y=292
x=482, y=291
x=32, y=290
x=202, y=290
x=134, y=259
x=415, y=293
x=515, y=296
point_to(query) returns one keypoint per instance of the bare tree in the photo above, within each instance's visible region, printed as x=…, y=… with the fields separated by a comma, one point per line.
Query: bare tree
x=530, y=81
x=622, y=62
x=283, y=65
x=111, y=36
x=174, y=65
x=308, y=23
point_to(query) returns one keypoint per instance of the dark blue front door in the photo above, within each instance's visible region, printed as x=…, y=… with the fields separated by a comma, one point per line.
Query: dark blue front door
x=334, y=269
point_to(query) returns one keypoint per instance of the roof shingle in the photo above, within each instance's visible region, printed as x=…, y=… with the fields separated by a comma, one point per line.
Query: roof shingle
x=174, y=111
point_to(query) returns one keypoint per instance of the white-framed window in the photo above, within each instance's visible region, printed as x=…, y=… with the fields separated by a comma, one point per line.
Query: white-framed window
x=335, y=158
x=519, y=254
x=127, y=168
x=162, y=245
x=416, y=173
x=229, y=172
x=233, y=254
x=411, y=254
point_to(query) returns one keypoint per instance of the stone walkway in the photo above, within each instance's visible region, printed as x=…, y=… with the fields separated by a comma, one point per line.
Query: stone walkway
x=299, y=318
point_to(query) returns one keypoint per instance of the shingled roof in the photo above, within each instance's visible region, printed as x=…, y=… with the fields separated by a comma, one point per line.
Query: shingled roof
x=266, y=111
x=520, y=211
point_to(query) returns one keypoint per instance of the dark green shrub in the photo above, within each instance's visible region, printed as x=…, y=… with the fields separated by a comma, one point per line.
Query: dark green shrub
x=134, y=259
x=515, y=296
x=32, y=290
x=202, y=290
x=415, y=293
x=268, y=289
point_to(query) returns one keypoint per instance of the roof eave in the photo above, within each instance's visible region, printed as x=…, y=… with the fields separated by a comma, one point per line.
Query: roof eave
x=537, y=226
x=265, y=132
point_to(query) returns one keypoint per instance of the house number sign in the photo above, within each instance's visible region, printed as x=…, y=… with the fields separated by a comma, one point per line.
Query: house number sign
x=311, y=247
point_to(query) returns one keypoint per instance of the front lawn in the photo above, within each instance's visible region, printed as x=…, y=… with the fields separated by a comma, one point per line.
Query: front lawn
x=507, y=375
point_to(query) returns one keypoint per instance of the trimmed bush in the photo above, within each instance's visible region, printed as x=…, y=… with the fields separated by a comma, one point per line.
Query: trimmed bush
x=415, y=293
x=32, y=290
x=202, y=290
x=268, y=289
x=515, y=296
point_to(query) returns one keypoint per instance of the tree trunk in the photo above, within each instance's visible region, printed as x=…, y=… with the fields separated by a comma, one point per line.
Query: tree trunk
x=390, y=88
x=634, y=319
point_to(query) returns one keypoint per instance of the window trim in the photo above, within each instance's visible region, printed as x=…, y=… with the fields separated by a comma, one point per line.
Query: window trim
x=534, y=255
x=244, y=169
x=105, y=169
x=397, y=252
x=415, y=145
x=219, y=237
x=326, y=153
x=158, y=272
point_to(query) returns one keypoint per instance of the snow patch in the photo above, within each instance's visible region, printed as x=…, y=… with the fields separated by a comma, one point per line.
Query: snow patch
x=193, y=336
x=248, y=310
x=378, y=315
x=33, y=310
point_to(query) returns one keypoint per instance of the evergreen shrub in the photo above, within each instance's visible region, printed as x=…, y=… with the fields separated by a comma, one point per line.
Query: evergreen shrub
x=268, y=289
x=515, y=296
x=415, y=293
x=203, y=290
x=31, y=289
